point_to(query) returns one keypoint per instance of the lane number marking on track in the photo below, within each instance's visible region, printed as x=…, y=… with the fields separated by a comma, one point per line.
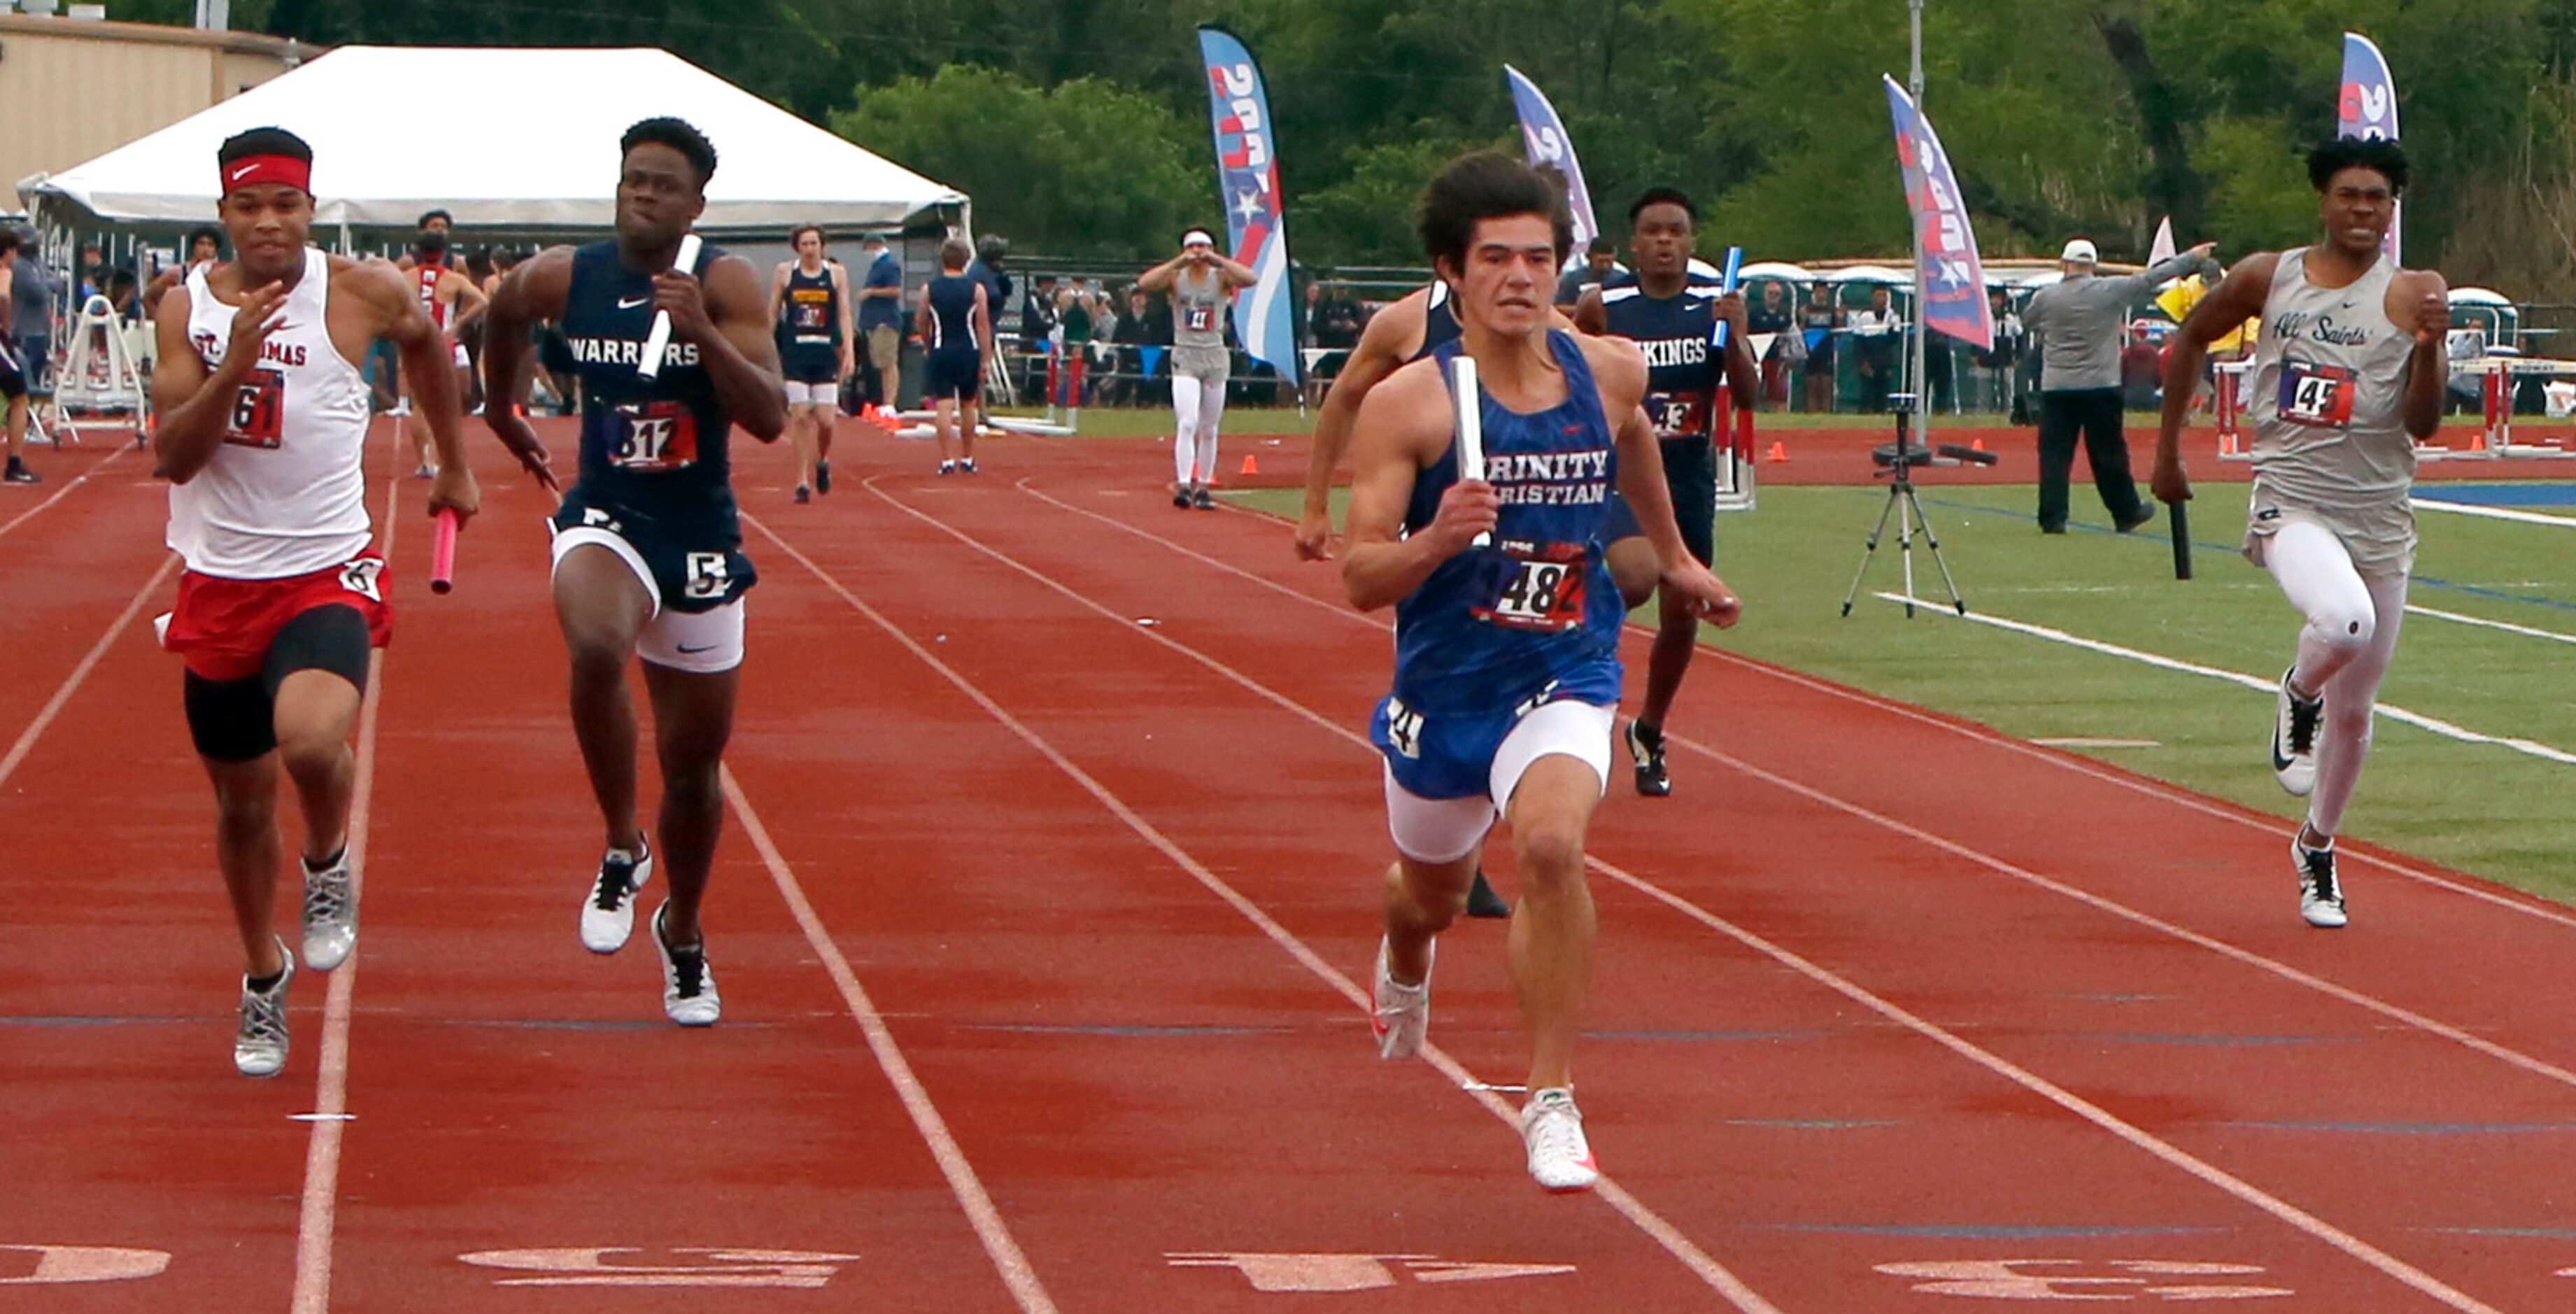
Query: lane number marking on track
x=49, y=1265
x=1330, y=1272
x=696, y=1266
x=2078, y=1279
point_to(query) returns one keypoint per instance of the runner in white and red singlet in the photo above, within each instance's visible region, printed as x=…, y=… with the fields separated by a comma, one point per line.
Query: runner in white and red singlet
x=263, y=424
x=452, y=301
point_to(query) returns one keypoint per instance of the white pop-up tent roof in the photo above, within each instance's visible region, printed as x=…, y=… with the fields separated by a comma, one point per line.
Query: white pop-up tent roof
x=501, y=138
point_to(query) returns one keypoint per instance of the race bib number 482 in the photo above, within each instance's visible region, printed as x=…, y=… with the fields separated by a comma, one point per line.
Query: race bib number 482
x=2316, y=395
x=658, y=435
x=1544, y=589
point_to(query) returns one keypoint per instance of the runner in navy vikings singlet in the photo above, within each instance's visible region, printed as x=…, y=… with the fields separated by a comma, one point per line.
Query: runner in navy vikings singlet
x=647, y=551
x=956, y=326
x=1507, y=669
x=1672, y=313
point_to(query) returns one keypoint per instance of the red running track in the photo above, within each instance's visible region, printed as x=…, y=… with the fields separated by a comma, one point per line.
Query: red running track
x=1041, y=931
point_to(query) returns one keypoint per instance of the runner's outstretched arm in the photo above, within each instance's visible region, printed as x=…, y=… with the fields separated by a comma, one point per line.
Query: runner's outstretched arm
x=535, y=291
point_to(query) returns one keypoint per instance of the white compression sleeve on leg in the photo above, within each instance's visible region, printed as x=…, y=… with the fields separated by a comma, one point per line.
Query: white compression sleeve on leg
x=2352, y=700
x=1211, y=411
x=1185, y=427
x=2317, y=576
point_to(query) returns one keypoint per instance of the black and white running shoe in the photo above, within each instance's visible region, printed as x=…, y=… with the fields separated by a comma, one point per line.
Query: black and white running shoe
x=688, y=984
x=2294, y=738
x=608, y=913
x=2320, y=894
x=1646, y=748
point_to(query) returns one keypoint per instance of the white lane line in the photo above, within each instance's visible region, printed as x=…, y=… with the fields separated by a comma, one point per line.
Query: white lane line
x=2281, y=1210
x=981, y=1213
x=318, y=1218
x=2510, y=900
x=2483, y=623
x=2446, y=729
x=26, y=742
x=2495, y=513
x=65, y=491
x=2394, y=1012
x=1715, y=1275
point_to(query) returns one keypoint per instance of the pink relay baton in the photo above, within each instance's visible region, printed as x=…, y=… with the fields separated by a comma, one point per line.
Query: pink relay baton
x=442, y=553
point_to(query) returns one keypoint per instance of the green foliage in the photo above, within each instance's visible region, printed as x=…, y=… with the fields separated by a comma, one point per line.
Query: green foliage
x=1088, y=165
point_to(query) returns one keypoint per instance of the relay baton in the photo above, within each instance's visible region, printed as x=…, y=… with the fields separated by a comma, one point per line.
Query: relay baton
x=1726, y=282
x=442, y=553
x=659, y=340
x=2179, y=521
x=1468, y=401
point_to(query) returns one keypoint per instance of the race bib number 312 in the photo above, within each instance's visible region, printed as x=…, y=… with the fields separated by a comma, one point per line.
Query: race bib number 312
x=659, y=435
x=1543, y=589
x=2316, y=395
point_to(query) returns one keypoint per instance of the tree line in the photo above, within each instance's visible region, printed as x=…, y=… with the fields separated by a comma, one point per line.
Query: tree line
x=1080, y=126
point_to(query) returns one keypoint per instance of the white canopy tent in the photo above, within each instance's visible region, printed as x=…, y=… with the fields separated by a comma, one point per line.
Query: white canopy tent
x=519, y=140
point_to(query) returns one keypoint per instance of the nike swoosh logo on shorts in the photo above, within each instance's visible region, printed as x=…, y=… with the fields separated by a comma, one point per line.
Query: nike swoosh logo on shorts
x=624, y=304
x=687, y=650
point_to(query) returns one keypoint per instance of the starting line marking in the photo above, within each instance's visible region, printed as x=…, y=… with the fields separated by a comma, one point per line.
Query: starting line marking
x=1332, y=1272
x=709, y=1266
x=2437, y=725
x=2099, y=743
x=2494, y=513
x=2483, y=623
x=60, y=1264
x=2131, y=1279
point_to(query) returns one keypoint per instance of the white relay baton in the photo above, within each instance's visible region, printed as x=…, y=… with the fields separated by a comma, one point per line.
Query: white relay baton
x=1468, y=400
x=659, y=340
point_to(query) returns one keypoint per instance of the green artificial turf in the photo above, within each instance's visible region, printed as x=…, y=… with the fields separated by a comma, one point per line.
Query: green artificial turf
x=2482, y=808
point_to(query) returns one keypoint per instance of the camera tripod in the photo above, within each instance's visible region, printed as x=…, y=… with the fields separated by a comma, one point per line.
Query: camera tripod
x=1900, y=458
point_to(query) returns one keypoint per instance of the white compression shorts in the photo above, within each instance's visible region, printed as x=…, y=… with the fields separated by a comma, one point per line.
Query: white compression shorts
x=699, y=642
x=825, y=395
x=1443, y=830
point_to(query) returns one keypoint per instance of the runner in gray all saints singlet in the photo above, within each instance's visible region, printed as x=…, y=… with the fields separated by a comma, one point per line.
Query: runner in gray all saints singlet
x=2349, y=372
x=1199, y=281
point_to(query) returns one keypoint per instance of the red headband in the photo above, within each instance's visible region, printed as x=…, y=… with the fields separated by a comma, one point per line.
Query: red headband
x=268, y=170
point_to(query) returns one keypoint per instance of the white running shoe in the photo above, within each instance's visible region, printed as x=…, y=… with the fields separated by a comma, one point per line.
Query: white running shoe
x=2294, y=738
x=330, y=914
x=1403, y=1015
x=1559, y=1157
x=2320, y=894
x=259, y=1047
x=688, y=984
x=608, y=911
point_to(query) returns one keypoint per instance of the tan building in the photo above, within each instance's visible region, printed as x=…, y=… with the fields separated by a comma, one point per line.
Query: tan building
x=74, y=89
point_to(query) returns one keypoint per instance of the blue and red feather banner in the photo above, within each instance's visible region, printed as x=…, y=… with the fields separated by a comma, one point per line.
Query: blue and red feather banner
x=1247, y=166
x=2367, y=105
x=1545, y=145
x=1954, y=279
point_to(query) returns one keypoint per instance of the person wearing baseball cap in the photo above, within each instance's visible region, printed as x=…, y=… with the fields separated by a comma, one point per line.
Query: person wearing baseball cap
x=1199, y=282
x=2077, y=325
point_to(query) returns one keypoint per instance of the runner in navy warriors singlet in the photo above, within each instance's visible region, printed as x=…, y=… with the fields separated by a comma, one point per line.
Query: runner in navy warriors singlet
x=956, y=326
x=1671, y=312
x=809, y=300
x=1506, y=669
x=647, y=554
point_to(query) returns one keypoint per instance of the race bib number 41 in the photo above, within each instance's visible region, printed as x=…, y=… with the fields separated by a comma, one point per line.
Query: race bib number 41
x=2316, y=395
x=659, y=435
x=1543, y=589
x=1198, y=319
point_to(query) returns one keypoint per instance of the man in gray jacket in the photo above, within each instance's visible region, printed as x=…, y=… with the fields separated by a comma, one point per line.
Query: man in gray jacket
x=2078, y=323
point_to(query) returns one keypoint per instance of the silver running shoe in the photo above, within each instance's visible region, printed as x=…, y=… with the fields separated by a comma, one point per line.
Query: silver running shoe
x=1403, y=1012
x=2320, y=893
x=688, y=984
x=608, y=911
x=1560, y=1158
x=259, y=1047
x=330, y=915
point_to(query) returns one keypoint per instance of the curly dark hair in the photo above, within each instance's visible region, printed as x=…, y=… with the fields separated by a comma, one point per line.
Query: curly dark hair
x=2378, y=154
x=680, y=136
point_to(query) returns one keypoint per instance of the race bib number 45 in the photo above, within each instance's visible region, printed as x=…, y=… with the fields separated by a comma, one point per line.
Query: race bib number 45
x=659, y=435
x=1543, y=589
x=2316, y=395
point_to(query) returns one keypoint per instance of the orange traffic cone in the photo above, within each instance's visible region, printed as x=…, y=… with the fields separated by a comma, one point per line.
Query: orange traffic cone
x=2477, y=442
x=1976, y=444
x=1251, y=464
x=1779, y=452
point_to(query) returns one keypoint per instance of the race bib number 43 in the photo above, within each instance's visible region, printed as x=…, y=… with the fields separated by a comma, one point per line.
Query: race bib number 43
x=1543, y=589
x=2316, y=395
x=659, y=435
